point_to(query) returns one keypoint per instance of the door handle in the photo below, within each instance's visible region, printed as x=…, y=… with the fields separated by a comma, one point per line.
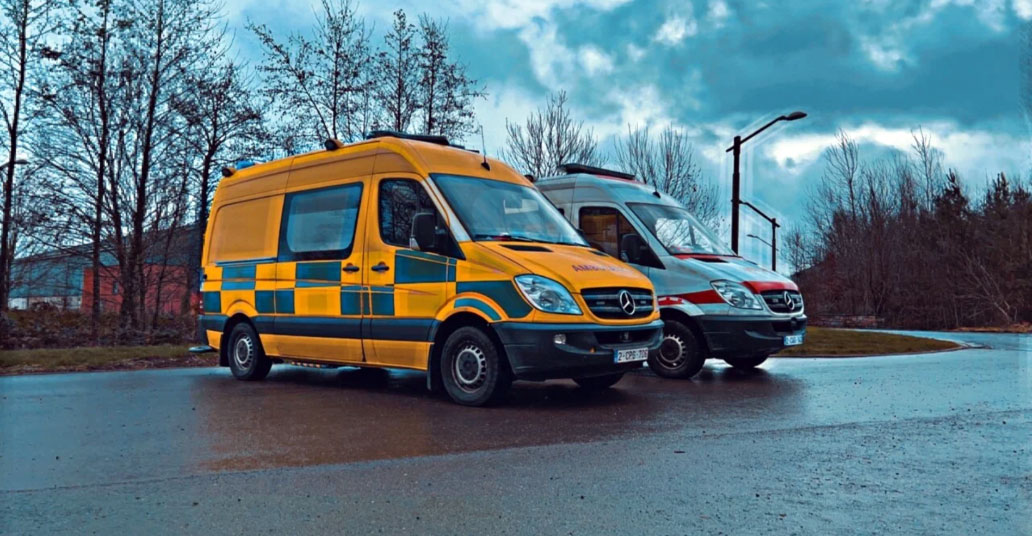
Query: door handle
x=382, y=267
x=350, y=268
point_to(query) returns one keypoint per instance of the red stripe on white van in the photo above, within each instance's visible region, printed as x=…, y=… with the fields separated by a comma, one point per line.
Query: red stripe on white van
x=763, y=286
x=698, y=298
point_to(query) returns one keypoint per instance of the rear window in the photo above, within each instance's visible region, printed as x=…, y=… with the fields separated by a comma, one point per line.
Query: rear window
x=245, y=230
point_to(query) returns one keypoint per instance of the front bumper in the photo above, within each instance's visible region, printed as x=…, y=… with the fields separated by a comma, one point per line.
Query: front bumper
x=748, y=336
x=589, y=350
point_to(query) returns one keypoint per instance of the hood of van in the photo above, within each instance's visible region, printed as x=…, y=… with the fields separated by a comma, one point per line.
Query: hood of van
x=575, y=267
x=738, y=270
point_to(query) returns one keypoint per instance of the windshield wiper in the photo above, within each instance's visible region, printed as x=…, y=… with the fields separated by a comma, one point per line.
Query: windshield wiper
x=508, y=237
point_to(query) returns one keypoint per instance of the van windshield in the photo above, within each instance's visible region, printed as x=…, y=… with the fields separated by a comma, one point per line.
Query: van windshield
x=496, y=210
x=678, y=231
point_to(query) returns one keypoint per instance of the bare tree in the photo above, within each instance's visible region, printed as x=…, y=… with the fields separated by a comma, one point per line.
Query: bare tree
x=223, y=123
x=75, y=142
x=550, y=137
x=24, y=25
x=929, y=168
x=319, y=86
x=670, y=165
x=397, y=89
x=167, y=41
x=799, y=249
x=446, y=94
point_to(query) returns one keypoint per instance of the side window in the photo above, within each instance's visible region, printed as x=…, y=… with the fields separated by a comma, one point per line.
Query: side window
x=603, y=228
x=400, y=200
x=320, y=224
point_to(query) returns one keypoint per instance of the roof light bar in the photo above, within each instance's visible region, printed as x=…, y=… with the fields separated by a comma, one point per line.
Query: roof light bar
x=439, y=140
x=572, y=168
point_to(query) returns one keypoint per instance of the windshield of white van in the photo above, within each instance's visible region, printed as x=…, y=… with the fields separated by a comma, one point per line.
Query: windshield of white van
x=679, y=231
x=496, y=210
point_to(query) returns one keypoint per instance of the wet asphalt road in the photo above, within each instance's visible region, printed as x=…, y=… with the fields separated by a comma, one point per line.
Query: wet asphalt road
x=930, y=444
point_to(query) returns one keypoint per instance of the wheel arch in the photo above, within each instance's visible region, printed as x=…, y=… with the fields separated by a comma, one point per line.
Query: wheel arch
x=231, y=323
x=670, y=313
x=441, y=333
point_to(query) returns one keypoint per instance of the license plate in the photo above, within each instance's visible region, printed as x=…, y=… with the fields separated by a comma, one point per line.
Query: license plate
x=630, y=355
x=793, y=340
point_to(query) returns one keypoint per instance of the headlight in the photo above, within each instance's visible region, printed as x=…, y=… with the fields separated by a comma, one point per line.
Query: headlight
x=547, y=295
x=736, y=295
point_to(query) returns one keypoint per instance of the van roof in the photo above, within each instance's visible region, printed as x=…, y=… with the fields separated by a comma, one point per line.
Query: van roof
x=385, y=154
x=590, y=187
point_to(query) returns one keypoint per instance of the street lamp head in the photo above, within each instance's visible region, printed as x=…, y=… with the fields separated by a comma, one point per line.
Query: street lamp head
x=21, y=162
x=795, y=115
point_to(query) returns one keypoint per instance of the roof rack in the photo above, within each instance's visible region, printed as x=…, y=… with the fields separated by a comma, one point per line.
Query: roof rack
x=572, y=168
x=439, y=140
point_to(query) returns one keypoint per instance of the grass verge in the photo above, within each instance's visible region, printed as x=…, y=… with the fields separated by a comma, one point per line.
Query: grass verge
x=819, y=342
x=1023, y=327
x=830, y=342
x=100, y=358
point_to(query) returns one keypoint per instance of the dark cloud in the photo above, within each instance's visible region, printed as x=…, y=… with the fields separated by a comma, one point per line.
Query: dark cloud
x=880, y=66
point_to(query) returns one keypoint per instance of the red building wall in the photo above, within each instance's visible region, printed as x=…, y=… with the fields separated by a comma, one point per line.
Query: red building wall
x=166, y=288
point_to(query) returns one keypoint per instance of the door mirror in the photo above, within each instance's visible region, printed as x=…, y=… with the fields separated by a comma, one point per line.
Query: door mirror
x=634, y=248
x=424, y=231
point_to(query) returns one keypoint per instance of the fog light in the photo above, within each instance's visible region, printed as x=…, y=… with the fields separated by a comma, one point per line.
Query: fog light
x=560, y=338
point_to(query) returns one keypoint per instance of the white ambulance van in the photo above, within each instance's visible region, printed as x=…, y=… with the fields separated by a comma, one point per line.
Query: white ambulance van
x=714, y=303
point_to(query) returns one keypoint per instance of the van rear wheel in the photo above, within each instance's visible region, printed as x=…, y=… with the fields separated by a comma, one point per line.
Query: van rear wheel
x=247, y=358
x=679, y=355
x=473, y=370
x=745, y=363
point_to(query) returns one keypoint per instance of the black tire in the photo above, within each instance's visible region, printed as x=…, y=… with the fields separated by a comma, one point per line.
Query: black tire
x=745, y=363
x=679, y=356
x=473, y=371
x=245, y=354
x=598, y=383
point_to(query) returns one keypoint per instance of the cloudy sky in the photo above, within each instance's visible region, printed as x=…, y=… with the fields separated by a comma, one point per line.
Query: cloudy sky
x=876, y=69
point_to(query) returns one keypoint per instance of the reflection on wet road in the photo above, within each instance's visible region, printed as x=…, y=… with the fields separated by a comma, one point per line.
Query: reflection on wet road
x=127, y=429
x=172, y=422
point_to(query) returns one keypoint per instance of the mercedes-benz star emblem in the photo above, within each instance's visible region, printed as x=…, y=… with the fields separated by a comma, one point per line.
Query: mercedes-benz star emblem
x=627, y=302
x=789, y=302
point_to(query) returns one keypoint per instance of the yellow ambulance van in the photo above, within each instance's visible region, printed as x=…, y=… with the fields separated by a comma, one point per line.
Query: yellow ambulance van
x=403, y=251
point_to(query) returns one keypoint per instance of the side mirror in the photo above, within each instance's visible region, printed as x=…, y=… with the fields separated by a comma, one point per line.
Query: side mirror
x=424, y=231
x=634, y=248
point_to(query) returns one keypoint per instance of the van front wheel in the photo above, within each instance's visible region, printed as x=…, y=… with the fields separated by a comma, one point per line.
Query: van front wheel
x=472, y=369
x=680, y=355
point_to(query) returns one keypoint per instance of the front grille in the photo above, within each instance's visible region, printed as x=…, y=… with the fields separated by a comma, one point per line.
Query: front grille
x=605, y=302
x=616, y=338
x=785, y=327
x=783, y=301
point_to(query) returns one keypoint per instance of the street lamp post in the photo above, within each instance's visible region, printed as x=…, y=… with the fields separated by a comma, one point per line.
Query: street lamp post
x=736, y=177
x=759, y=238
x=773, y=235
x=18, y=162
